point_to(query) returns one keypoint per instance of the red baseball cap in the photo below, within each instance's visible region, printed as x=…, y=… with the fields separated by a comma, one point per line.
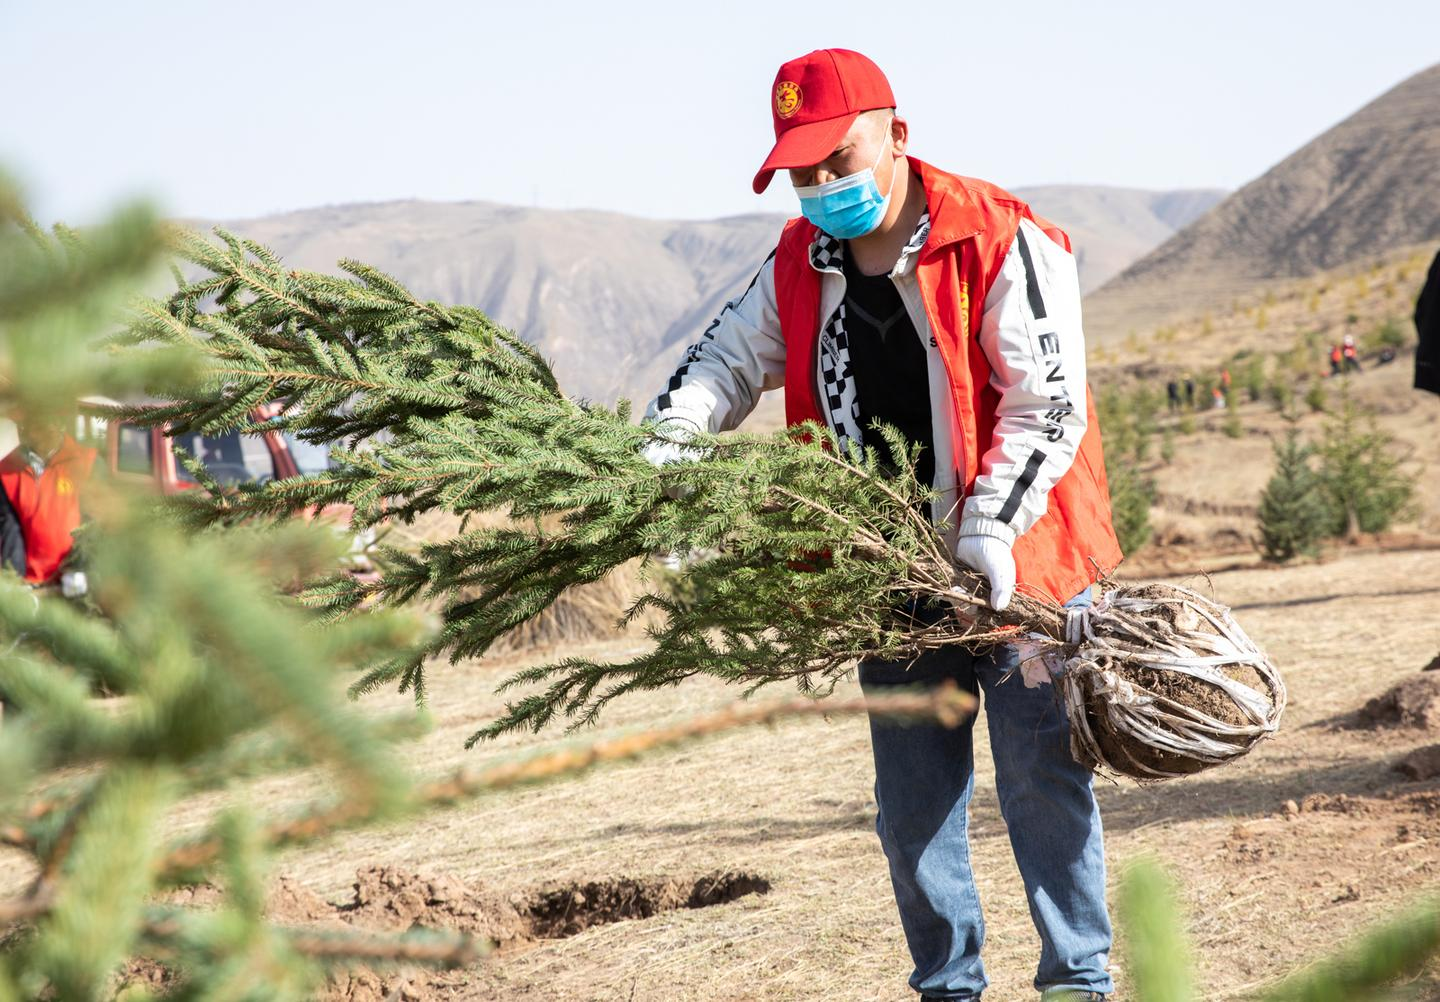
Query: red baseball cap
x=814, y=101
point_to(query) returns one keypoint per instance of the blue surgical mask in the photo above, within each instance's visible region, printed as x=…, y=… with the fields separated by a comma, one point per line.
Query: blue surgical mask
x=849, y=206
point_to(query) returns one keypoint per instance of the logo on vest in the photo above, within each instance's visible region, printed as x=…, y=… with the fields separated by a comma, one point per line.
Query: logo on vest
x=787, y=98
x=64, y=486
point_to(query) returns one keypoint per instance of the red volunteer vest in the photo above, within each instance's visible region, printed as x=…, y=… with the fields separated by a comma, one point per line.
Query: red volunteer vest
x=972, y=225
x=48, y=506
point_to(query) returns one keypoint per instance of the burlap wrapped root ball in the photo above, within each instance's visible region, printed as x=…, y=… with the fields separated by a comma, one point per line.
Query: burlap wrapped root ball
x=1163, y=682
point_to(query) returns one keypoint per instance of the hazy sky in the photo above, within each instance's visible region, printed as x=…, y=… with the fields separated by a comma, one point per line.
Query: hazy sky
x=659, y=109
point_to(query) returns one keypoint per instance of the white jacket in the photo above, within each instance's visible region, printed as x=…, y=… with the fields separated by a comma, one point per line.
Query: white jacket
x=1031, y=336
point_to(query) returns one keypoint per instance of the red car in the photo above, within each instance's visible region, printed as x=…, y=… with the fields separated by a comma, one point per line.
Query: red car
x=143, y=456
x=140, y=455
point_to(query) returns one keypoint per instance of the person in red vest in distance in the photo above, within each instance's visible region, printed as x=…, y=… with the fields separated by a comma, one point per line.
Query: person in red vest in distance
x=42, y=478
x=941, y=305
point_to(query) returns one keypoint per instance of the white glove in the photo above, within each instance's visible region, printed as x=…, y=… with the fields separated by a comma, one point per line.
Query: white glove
x=73, y=584
x=991, y=556
x=661, y=453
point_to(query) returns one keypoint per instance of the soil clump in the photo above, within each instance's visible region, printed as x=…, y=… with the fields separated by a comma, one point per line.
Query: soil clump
x=1415, y=702
x=388, y=899
x=1422, y=763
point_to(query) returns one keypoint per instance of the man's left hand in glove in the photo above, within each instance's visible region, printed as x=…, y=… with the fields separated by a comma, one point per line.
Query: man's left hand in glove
x=985, y=546
x=670, y=448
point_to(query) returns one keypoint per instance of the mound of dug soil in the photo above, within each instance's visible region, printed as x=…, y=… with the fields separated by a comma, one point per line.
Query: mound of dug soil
x=1425, y=803
x=1415, y=702
x=394, y=900
x=390, y=900
x=1422, y=763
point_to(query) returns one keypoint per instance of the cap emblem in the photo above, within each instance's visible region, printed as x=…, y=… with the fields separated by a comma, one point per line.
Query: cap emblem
x=787, y=98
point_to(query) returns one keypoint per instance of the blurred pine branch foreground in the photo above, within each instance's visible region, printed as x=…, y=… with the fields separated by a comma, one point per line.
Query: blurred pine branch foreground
x=217, y=669
x=211, y=672
x=1363, y=970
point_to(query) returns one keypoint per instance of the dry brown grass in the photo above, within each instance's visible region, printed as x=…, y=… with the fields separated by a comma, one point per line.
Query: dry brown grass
x=581, y=614
x=1265, y=891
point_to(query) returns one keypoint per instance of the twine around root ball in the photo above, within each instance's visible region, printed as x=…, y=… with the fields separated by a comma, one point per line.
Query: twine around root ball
x=1161, y=682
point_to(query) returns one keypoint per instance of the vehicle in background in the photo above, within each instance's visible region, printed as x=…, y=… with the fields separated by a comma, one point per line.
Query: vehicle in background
x=132, y=453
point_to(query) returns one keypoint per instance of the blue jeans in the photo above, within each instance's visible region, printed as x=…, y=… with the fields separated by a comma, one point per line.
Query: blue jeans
x=924, y=776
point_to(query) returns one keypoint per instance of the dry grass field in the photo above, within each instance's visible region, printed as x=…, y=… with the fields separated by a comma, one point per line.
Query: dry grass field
x=1280, y=857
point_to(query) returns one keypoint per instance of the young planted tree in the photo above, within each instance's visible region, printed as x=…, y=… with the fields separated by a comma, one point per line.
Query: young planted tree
x=1145, y=404
x=1126, y=443
x=1232, y=426
x=1388, y=334
x=1205, y=388
x=1131, y=496
x=1281, y=393
x=1130, y=419
x=1363, y=472
x=1113, y=408
x=1294, y=509
x=1252, y=378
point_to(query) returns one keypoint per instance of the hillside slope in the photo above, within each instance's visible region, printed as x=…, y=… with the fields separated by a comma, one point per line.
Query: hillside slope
x=1277, y=341
x=1365, y=186
x=1112, y=227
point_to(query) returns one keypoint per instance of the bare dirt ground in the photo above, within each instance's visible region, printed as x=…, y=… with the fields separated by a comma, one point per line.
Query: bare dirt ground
x=1280, y=857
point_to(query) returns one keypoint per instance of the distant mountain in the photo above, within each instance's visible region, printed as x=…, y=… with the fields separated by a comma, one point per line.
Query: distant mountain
x=1368, y=185
x=1111, y=227
x=613, y=300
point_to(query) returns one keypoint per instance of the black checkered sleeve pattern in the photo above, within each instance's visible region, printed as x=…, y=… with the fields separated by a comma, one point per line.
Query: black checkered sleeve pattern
x=842, y=404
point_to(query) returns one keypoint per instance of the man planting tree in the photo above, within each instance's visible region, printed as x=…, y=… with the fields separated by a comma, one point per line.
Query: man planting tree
x=940, y=305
